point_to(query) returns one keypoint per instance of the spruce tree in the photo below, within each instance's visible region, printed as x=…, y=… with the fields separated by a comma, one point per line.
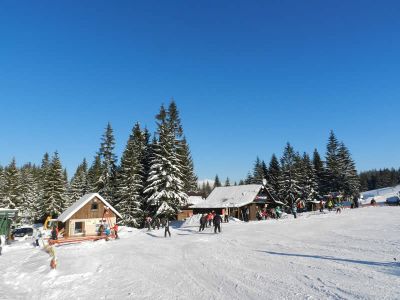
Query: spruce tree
x=164, y=185
x=258, y=172
x=54, y=198
x=31, y=206
x=12, y=197
x=79, y=183
x=307, y=181
x=95, y=183
x=217, y=182
x=332, y=164
x=289, y=186
x=350, y=182
x=320, y=173
x=227, y=182
x=109, y=168
x=274, y=173
x=130, y=179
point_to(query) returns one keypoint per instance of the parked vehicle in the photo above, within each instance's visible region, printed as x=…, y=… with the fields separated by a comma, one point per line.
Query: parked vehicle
x=394, y=200
x=22, y=233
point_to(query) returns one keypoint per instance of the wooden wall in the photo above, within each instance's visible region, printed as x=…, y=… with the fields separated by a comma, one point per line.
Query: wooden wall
x=91, y=218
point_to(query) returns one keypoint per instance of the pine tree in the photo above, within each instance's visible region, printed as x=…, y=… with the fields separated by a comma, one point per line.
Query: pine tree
x=79, y=183
x=186, y=165
x=2, y=186
x=164, y=185
x=332, y=164
x=350, y=182
x=288, y=183
x=189, y=178
x=109, y=168
x=12, y=197
x=307, y=181
x=258, y=172
x=227, y=182
x=320, y=173
x=95, y=183
x=31, y=206
x=54, y=198
x=130, y=179
x=274, y=174
x=217, y=182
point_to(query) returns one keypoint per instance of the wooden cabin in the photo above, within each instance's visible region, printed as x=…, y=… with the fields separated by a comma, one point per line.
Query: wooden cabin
x=236, y=200
x=84, y=217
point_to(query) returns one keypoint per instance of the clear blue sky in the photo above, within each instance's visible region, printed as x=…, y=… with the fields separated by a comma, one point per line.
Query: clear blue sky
x=247, y=77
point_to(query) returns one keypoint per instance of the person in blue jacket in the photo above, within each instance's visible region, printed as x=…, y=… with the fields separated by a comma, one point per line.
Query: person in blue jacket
x=294, y=210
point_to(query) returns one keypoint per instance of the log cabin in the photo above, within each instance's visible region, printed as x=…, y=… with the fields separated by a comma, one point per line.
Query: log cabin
x=84, y=217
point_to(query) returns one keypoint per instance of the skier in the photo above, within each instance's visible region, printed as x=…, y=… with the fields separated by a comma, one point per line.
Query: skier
x=278, y=212
x=157, y=223
x=217, y=223
x=247, y=214
x=321, y=206
x=226, y=217
x=203, y=221
x=54, y=233
x=210, y=219
x=37, y=235
x=116, y=231
x=167, y=228
x=148, y=223
x=294, y=210
x=338, y=208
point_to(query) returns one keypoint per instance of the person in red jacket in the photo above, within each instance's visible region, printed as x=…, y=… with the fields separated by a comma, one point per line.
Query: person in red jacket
x=116, y=230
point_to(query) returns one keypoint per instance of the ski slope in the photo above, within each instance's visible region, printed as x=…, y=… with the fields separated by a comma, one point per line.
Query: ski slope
x=317, y=256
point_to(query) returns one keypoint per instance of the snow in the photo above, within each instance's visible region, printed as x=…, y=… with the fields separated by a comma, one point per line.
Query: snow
x=230, y=196
x=380, y=195
x=195, y=200
x=316, y=256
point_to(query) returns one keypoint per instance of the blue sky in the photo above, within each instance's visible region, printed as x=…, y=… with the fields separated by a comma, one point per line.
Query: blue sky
x=247, y=76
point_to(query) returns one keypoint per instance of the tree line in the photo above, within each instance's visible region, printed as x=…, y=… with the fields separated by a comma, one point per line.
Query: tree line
x=376, y=179
x=154, y=175
x=299, y=176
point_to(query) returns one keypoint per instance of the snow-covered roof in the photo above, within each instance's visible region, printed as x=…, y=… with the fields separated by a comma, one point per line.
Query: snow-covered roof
x=195, y=200
x=80, y=203
x=230, y=196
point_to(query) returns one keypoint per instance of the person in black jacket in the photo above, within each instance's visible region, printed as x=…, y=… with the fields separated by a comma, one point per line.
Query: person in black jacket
x=217, y=223
x=167, y=228
x=203, y=221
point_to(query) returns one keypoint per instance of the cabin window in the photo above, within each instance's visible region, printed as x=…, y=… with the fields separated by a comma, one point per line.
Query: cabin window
x=78, y=227
x=95, y=206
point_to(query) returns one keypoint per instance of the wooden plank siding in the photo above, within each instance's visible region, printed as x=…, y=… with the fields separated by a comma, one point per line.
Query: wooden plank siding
x=91, y=219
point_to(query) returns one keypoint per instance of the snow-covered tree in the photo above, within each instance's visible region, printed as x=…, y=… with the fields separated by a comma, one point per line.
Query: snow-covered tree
x=288, y=183
x=79, y=183
x=306, y=176
x=320, y=173
x=12, y=196
x=130, y=179
x=350, y=182
x=54, y=197
x=95, y=183
x=109, y=167
x=258, y=172
x=274, y=174
x=164, y=183
x=31, y=204
x=333, y=168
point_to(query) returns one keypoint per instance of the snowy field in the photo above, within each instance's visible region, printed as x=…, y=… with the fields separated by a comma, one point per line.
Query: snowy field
x=329, y=256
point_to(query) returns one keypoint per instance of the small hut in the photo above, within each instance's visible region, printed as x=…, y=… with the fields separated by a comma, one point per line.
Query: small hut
x=236, y=200
x=84, y=217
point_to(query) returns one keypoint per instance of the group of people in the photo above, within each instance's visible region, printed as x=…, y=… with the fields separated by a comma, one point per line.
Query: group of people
x=271, y=213
x=212, y=219
x=156, y=223
x=106, y=230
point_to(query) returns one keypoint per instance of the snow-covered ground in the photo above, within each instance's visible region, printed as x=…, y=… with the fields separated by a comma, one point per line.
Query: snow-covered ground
x=327, y=256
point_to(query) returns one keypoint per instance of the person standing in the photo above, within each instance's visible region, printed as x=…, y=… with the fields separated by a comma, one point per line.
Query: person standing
x=116, y=231
x=203, y=221
x=217, y=223
x=321, y=206
x=167, y=228
x=226, y=217
x=294, y=210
